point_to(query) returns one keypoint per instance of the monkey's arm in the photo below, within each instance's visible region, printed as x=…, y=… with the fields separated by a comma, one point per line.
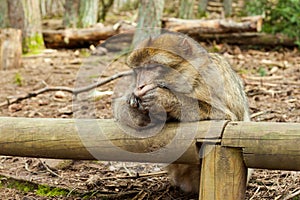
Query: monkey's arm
x=176, y=106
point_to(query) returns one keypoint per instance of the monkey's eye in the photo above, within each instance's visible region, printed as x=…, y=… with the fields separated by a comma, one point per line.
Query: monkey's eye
x=162, y=84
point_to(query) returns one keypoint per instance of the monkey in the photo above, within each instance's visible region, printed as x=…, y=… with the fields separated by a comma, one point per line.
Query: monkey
x=176, y=79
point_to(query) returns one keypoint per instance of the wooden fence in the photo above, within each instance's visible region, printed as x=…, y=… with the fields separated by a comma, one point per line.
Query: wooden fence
x=227, y=149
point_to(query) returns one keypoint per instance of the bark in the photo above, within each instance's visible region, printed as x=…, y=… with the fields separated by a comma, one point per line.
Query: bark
x=80, y=13
x=186, y=9
x=85, y=37
x=77, y=38
x=260, y=39
x=25, y=15
x=149, y=20
x=4, y=21
x=88, y=13
x=202, y=7
x=52, y=8
x=190, y=27
x=103, y=8
x=230, y=32
x=71, y=13
x=227, y=4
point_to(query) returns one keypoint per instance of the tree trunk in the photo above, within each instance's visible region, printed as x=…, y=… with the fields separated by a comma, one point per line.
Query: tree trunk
x=227, y=4
x=104, y=6
x=186, y=9
x=88, y=13
x=80, y=13
x=71, y=13
x=202, y=8
x=25, y=15
x=51, y=8
x=4, y=21
x=149, y=20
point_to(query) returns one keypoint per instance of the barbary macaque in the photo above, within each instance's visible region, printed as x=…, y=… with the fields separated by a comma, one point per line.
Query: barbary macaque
x=175, y=79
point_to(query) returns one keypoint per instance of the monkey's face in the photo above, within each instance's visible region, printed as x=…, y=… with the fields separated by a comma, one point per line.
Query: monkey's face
x=154, y=85
x=148, y=78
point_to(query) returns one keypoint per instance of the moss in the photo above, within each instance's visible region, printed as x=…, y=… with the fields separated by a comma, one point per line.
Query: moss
x=33, y=44
x=40, y=190
x=22, y=186
x=51, y=192
x=85, y=53
x=262, y=71
x=18, y=80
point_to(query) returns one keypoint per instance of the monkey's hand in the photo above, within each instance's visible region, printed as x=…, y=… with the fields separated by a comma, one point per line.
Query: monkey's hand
x=159, y=100
x=129, y=114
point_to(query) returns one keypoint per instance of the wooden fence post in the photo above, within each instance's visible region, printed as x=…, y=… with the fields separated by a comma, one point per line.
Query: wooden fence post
x=223, y=174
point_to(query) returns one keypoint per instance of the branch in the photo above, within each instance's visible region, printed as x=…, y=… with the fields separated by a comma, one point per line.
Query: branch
x=290, y=196
x=65, y=89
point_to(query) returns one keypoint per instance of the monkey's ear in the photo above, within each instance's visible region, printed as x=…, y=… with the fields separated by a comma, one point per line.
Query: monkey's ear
x=186, y=46
x=149, y=40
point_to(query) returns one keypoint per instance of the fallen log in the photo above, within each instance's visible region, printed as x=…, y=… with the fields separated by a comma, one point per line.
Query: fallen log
x=260, y=39
x=188, y=26
x=244, y=32
x=77, y=38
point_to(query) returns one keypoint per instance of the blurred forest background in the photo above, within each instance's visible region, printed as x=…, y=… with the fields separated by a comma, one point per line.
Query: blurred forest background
x=45, y=44
x=39, y=18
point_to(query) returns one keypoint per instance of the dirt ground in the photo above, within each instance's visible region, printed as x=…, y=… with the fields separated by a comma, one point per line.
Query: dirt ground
x=272, y=80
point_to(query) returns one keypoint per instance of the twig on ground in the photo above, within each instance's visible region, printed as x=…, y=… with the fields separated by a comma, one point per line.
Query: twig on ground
x=290, y=196
x=165, y=192
x=136, y=176
x=50, y=170
x=65, y=89
x=257, y=114
x=255, y=193
x=141, y=195
x=264, y=78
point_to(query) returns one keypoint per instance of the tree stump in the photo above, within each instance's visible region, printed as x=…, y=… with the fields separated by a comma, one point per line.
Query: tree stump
x=10, y=48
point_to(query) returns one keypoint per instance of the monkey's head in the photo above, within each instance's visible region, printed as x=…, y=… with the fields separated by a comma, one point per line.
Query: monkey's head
x=171, y=61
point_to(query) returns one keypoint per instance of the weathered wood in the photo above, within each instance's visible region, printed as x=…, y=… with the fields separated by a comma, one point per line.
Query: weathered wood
x=101, y=139
x=227, y=4
x=72, y=38
x=249, y=24
x=186, y=9
x=10, y=49
x=223, y=174
x=247, y=39
x=265, y=145
x=52, y=8
x=226, y=33
x=26, y=15
x=149, y=20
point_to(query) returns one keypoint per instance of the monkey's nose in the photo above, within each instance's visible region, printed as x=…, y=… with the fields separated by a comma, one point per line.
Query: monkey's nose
x=138, y=91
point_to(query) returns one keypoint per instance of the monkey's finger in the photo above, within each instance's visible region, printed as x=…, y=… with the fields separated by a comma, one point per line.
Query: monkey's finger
x=133, y=102
x=150, y=96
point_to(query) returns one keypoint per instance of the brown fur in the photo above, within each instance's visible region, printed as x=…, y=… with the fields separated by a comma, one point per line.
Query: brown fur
x=188, y=84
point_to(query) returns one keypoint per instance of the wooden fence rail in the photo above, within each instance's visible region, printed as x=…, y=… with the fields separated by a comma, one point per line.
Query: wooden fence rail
x=226, y=148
